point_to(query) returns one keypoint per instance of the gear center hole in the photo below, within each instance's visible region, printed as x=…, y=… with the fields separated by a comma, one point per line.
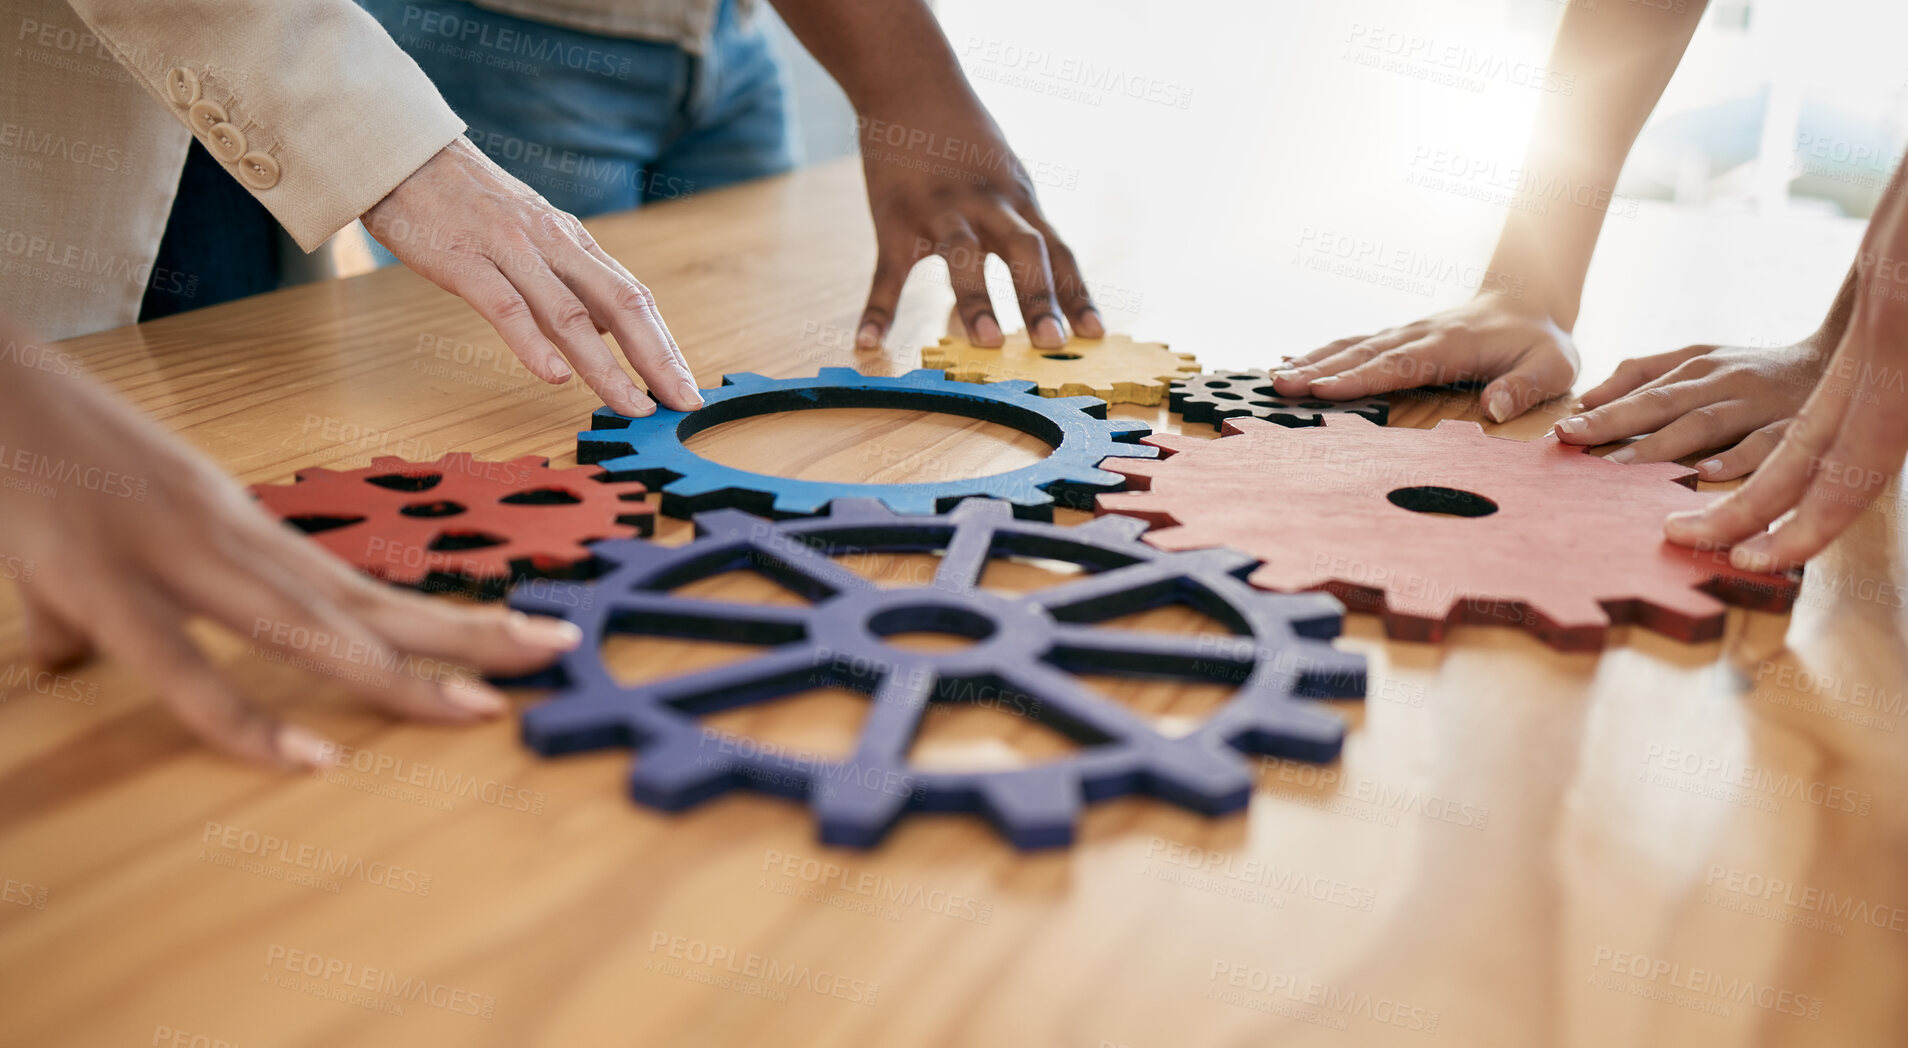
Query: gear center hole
x=856, y=445
x=1442, y=502
x=931, y=628
x=1061, y=356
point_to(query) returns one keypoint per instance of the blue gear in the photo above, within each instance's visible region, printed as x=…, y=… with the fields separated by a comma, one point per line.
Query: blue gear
x=1027, y=648
x=651, y=449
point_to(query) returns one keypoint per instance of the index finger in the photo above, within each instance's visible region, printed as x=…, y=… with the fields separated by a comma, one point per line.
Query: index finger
x=620, y=303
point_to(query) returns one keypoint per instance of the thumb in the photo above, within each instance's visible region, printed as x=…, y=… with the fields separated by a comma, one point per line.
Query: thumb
x=1541, y=373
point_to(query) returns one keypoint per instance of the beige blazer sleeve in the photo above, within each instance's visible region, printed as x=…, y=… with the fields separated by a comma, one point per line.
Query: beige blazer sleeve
x=308, y=102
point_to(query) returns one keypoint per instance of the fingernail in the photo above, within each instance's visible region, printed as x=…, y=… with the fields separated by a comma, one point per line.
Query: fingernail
x=869, y=337
x=690, y=393
x=1622, y=454
x=473, y=695
x=543, y=632
x=1285, y=373
x=304, y=748
x=1687, y=516
x=1709, y=467
x=1047, y=335
x=1573, y=426
x=1498, y=405
x=986, y=329
x=560, y=372
x=1328, y=380
x=1089, y=325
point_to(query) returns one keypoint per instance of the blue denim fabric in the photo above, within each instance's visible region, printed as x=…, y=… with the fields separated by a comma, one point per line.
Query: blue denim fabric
x=600, y=123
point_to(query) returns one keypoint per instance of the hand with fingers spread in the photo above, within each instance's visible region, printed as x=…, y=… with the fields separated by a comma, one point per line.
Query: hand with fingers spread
x=536, y=275
x=1850, y=438
x=1698, y=398
x=985, y=209
x=1522, y=353
x=1702, y=397
x=131, y=533
x=941, y=178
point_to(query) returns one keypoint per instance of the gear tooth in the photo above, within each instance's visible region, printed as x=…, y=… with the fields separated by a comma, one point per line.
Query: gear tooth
x=1454, y=427
x=843, y=375
x=606, y=418
x=924, y=376
x=746, y=379
x=689, y=485
x=857, y=811
x=1239, y=425
x=1014, y=385
x=859, y=509
x=1174, y=443
x=1035, y=808
x=1135, y=450
x=1095, y=406
x=1096, y=478
x=573, y=725
x=1112, y=525
x=1324, y=672
x=1138, y=505
x=1031, y=498
x=727, y=523
x=983, y=509
x=803, y=501
x=1132, y=469
x=1312, y=614
x=1194, y=773
x=676, y=777
x=598, y=446
x=1220, y=559
x=1274, y=725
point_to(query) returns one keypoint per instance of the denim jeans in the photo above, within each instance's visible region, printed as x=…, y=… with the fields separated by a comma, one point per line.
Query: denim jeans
x=599, y=123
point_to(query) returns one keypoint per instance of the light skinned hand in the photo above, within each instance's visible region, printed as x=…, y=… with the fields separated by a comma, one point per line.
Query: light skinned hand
x=1698, y=398
x=536, y=275
x=1844, y=446
x=142, y=534
x=1522, y=353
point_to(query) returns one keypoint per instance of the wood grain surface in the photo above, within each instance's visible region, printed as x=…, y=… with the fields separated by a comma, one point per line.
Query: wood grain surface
x=1666, y=844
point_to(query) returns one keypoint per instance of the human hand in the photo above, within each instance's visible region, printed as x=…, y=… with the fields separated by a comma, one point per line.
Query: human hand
x=964, y=209
x=1701, y=397
x=1846, y=443
x=131, y=533
x=1524, y=354
x=536, y=275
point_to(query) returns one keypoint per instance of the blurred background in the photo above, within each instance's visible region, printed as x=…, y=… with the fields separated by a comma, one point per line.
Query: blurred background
x=1301, y=172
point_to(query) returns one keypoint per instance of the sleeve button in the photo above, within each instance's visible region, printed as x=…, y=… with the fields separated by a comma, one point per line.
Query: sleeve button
x=226, y=142
x=205, y=115
x=182, y=86
x=258, y=170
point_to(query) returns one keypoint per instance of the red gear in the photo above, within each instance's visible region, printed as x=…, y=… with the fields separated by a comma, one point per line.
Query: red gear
x=482, y=523
x=1432, y=527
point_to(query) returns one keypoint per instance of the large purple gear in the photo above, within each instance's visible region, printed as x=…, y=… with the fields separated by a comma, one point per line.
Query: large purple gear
x=1026, y=645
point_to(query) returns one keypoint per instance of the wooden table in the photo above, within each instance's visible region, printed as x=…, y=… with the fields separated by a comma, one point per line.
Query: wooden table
x=1517, y=848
